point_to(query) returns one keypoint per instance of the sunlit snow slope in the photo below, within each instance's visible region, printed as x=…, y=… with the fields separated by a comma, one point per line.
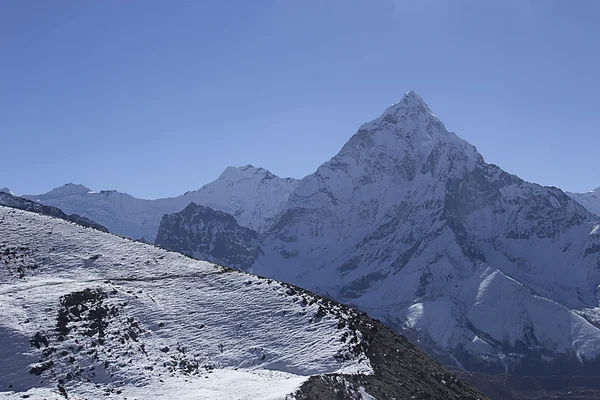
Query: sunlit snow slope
x=79, y=307
x=86, y=314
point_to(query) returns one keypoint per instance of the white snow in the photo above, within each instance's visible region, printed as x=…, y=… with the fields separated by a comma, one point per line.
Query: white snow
x=590, y=200
x=252, y=195
x=365, y=396
x=368, y=228
x=257, y=339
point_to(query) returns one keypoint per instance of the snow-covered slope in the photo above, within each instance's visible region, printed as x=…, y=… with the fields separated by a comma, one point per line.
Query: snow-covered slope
x=6, y=190
x=409, y=223
x=86, y=314
x=252, y=195
x=590, y=200
x=9, y=200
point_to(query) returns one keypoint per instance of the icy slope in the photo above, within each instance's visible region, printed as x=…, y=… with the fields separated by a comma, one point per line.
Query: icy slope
x=9, y=200
x=106, y=309
x=409, y=223
x=252, y=195
x=86, y=314
x=590, y=200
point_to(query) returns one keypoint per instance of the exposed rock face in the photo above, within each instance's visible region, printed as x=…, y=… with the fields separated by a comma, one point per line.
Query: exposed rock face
x=211, y=235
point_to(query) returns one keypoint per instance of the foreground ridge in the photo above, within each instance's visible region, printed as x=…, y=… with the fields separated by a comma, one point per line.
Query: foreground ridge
x=86, y=313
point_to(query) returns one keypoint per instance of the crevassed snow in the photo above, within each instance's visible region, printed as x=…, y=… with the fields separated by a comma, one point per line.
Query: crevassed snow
x=241, y=336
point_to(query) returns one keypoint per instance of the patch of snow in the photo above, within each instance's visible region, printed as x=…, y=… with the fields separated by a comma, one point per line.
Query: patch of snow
x=364, y=395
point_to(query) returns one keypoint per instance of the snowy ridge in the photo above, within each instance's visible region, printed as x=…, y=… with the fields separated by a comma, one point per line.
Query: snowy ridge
x=252, y=195
x=130, y=315
x=70, y=189
x=6, y=190
x=410, y=224
x=86, y=314
x=590, y=200
x=21, y=203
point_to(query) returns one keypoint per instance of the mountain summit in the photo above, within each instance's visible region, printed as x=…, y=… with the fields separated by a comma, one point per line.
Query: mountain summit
x=411, y=104
x=409, y=223
x=70, y=189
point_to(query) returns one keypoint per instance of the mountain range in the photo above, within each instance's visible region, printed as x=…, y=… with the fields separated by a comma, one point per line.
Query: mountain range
x=85, y=314
x=252, y=195
x=410, y=224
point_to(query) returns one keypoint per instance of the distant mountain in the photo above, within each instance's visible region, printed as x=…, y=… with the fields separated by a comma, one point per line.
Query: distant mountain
x=210, y=235
x=6, y=190
x=590, y=200
x=86, y=314
x=9, y=200
x=253, y=195
x=409, y=223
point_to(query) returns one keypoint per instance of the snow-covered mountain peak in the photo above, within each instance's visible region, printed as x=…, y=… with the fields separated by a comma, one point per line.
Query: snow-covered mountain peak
x=69, y=189
x=411, y=106
x=234, y=174
x=6, y=190
x=252, y=195
x=413, y=100
x=244, y=172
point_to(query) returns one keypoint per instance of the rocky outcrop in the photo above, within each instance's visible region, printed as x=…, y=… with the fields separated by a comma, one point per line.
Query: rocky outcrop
x=211, y=235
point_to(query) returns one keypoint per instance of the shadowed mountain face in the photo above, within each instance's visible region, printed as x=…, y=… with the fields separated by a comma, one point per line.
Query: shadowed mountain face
x=409, y=223
x=211, y=235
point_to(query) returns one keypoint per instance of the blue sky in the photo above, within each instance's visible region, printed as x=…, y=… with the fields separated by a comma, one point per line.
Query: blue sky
x=155, y=98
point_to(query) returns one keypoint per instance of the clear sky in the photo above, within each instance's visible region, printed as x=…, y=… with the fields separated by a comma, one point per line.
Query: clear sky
x=155, y=98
